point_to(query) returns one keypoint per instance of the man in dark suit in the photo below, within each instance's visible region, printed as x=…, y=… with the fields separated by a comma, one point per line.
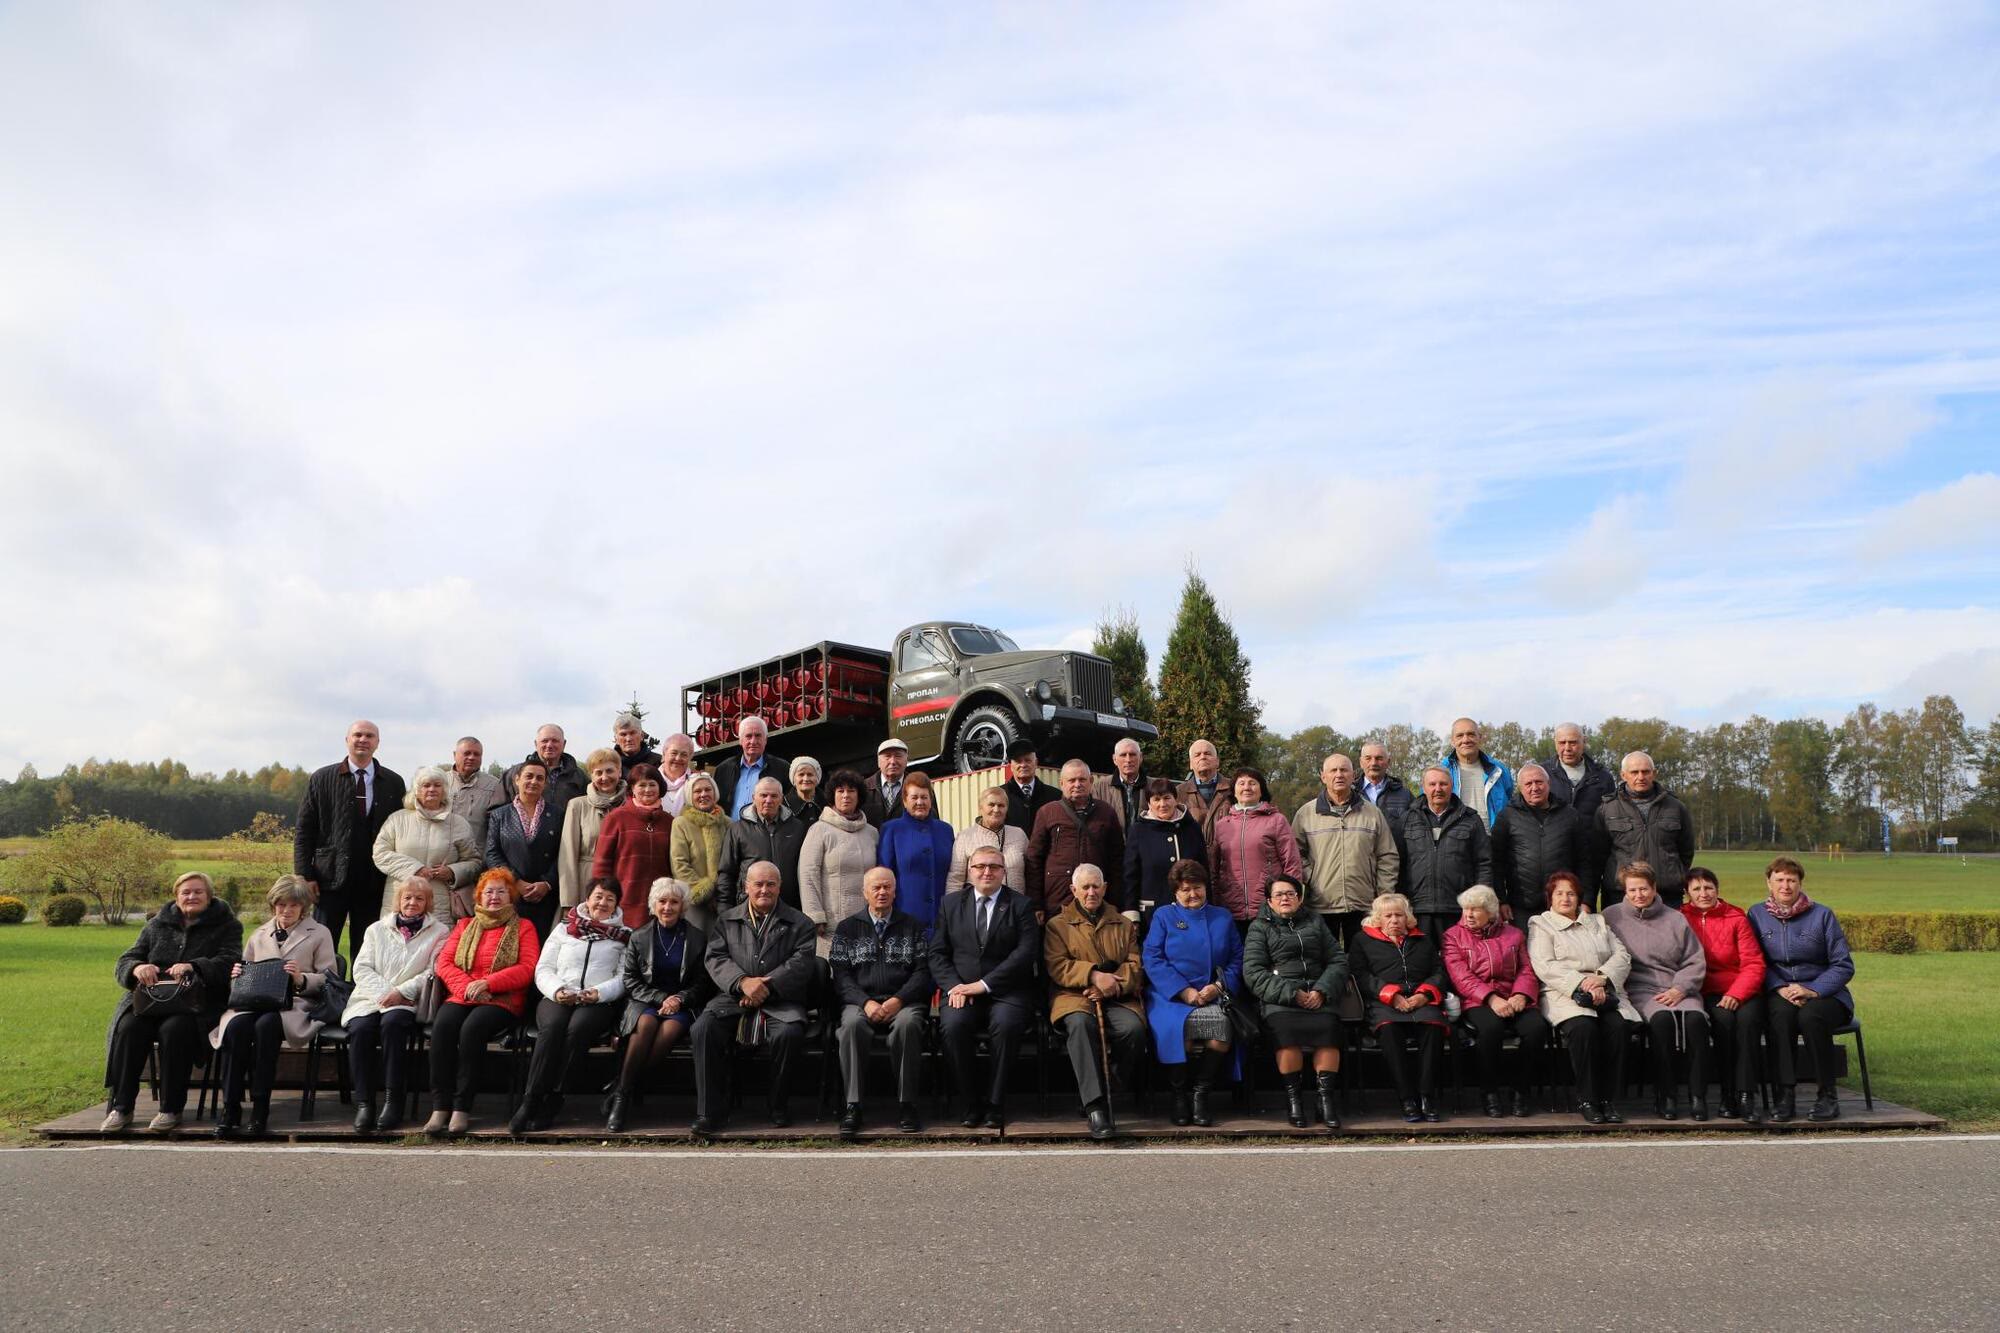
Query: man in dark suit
x=983, y=952
x=333, y=849
x=1026, y=792
x=763, y=959
x=882, y=801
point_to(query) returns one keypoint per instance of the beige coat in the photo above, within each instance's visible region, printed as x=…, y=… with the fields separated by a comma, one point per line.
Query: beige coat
x=310, y=946
x=694, y=850
x=1564, y=952
x=472, y=799
x=1349, y=854
x=1013, y=845
x=581, y=823
x=412, y=840
x=837, y=852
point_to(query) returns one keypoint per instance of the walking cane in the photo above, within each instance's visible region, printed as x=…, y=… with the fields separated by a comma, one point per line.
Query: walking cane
x=1104, y=1058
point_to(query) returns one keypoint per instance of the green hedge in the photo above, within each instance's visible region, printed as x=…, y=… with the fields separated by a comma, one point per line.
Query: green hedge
x=1923, y=932
x=64, y=909
x=12, y=911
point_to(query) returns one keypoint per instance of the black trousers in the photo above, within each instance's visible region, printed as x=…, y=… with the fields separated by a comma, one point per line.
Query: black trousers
x=179, y=1037
x=562, y=1032
x=1435, y=924
x=1816, y=1018
x=380, y=1041
x=1489, y=1030
x=960, y=1030
x=251, y=1043
x=1668, y=1036
x=1734, y=1034
x=1344, y=925
x=458, y=1047
x=1596, y=1053
x=715, y=1043
x=1128, y=1042
x=1395, y=1040
x=356, y=910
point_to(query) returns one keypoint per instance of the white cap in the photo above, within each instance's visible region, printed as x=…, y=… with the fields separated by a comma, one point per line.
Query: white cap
x=891, y=744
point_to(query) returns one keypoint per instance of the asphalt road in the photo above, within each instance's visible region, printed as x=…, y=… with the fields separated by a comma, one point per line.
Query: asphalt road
x=1808, y=1233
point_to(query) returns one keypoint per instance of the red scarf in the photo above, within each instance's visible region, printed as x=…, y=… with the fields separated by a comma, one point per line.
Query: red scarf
x=586, y=927
x=1799, y=905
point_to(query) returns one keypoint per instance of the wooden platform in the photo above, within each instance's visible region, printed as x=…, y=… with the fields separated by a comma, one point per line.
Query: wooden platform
x=665, y=1121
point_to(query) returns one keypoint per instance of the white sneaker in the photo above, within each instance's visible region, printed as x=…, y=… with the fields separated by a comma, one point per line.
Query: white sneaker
x=115, y=1123
x=164, y=1122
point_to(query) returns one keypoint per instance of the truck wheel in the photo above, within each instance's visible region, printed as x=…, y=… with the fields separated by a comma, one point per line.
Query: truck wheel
x=983, y=738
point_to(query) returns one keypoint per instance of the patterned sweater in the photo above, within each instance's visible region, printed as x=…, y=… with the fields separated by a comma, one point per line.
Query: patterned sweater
x=871, y=966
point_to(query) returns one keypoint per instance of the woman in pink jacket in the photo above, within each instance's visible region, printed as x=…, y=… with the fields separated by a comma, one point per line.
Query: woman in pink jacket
x=1252, y=842
x=1487, y=961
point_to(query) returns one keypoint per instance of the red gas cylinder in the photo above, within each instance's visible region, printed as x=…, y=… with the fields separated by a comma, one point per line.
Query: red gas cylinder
x=782, y=718
x=788, y=685
x=806, y=709
x=727, y=706
x=745, y=696
x=765, y=691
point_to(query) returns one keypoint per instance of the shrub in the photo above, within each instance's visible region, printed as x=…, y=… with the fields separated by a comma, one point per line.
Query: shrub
x=1923, y=932
x=64, y=909
x=12, y=911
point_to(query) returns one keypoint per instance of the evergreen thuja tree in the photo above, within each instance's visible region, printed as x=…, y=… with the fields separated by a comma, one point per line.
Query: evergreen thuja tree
x=1205, y=685
x=1119, y=641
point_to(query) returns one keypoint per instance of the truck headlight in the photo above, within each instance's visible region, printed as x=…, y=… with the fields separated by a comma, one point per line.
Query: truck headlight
x=1043, y=691
x=1118, y=705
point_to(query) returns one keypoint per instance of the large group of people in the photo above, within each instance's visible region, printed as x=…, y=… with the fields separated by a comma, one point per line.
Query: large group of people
x=635, y=899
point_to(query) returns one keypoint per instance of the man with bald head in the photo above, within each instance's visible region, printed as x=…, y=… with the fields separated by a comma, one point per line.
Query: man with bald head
x=567, y=779
x=344, y=807
x=1643, y=821
x=1350, y=855
x=1068, y=833
x=1479, y=780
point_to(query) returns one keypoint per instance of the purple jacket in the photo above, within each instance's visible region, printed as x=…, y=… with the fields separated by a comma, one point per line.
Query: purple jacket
x=1809, y=950
x=1491, y=962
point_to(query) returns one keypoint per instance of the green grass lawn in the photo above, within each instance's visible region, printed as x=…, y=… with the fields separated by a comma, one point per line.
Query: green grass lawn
x=1930, y=1020
x=1874, y=883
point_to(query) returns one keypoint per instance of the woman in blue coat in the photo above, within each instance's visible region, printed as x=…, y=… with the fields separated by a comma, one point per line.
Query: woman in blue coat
x=1194, y=967
x=917, y=846
x=1806, y=971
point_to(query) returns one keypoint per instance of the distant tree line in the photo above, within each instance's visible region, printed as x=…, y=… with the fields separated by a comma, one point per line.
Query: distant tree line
x=165, y=797
x=1758, y=783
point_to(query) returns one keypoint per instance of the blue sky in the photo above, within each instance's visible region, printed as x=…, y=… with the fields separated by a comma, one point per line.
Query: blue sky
x=472, y=367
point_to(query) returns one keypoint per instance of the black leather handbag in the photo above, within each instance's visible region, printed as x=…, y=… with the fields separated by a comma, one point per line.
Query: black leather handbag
x=165, y=998
x=261, y=988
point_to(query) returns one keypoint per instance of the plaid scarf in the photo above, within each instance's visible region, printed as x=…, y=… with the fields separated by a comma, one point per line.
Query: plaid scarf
x=586, y=927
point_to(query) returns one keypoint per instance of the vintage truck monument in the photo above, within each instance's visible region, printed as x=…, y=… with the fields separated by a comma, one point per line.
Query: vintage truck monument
x=956, y=693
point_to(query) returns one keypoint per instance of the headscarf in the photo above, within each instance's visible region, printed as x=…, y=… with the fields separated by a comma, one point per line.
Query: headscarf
x=482, y=920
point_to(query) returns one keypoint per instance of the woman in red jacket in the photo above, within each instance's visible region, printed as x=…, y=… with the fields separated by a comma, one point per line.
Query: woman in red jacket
x=1733, y=993
x=634, y=843
x=487, y=967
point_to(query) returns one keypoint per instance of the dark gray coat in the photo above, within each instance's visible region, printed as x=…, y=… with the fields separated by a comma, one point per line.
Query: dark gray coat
x=786, y=951
x=1529, y=845
x=1437, y=869
x=213, y=942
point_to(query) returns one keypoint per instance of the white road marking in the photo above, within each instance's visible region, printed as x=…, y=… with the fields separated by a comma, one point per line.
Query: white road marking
x=908, y=1154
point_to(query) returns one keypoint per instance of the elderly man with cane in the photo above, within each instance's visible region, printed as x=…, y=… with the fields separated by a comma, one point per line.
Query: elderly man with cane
x=1091, y=954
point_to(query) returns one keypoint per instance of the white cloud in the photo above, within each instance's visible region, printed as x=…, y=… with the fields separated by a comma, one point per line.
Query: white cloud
x=467, y=367
x=1960, y=516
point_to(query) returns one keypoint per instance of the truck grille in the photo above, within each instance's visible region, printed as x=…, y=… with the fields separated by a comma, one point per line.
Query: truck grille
x=1093, y=682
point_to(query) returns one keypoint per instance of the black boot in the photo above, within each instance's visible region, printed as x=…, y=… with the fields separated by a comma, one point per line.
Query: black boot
x=614, y=1116
x=1295, y=1099
x=1826, y=1106
x=1177, y=1079
x=1329, y=1097
x=1666, y=1108
x=389, y=1120
x=364, y=1116
x=1493, y=1105
x=230, y=1122
x=1429, y=1108
x=1609, y=1112
x=1520, y=1104
x=1413, y=1114
x=1698, y=1110
x=850, y=1120
x=1208, y=1065
x=523, y=1117
x=1727, y=1108
x=1746, y=1107
x=1785, y=1106
x=260, y=1120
